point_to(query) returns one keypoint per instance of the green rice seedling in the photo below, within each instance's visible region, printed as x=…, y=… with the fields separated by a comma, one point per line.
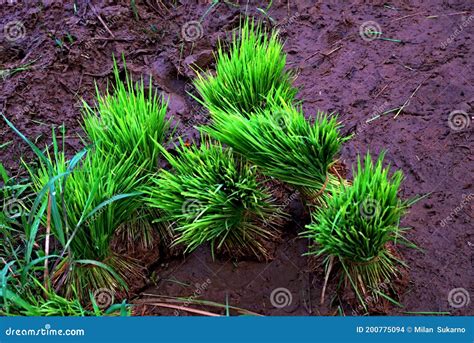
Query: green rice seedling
x=249, y=75
x=14, y=196
x=83, y=204
x=284, y=145
x=97, y=199
x=358, y=228
x=124, y=119
x=25, y=287
x=212, y=196
x=36, y=300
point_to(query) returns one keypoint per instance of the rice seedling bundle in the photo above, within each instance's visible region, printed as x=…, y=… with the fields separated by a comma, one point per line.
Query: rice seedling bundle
x=248, y=76
x=126, y=118
x=283, y=144
x=123, y=120
x=358, y=227
x=213, y=196
x=92, y=198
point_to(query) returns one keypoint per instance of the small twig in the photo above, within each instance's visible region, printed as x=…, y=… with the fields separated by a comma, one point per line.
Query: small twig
x=407, y=16
x=326, y=278
x=184, y=308
x=101, y=20
x=105, y=26
x=9, y=268
x=114, y=39
x=377, y=95
x=46, y=244
x=411, y=96
x=332, y=51
x=446, y=15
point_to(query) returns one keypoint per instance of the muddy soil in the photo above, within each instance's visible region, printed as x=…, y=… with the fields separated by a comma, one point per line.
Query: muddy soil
x=422, y=58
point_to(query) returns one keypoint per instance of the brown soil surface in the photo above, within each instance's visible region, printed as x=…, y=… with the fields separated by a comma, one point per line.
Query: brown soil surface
x=429, y=68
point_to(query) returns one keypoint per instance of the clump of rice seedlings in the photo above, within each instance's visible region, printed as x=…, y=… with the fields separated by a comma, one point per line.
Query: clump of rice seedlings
x=28, y=252
x=358, y=228
x=128, y=117
x=213, y=196
x=104, y=190
x=84, y=202
x=249, y=75
x=284, y=145
x=124, y=119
